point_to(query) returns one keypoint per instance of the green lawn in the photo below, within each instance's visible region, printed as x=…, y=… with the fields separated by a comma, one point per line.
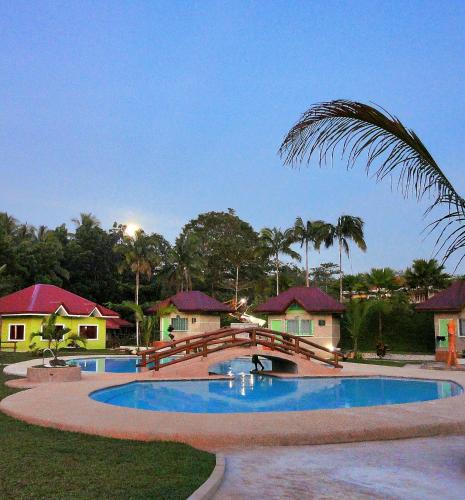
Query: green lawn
x=36, y=462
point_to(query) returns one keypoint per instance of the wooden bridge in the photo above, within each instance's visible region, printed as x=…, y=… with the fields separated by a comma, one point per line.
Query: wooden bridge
x=202, y=345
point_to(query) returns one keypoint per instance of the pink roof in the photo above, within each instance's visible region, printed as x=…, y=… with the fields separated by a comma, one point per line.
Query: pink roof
x=46, y=299
x=309, y=298
x=451, y=299
x=193, y=301
x=117, y=323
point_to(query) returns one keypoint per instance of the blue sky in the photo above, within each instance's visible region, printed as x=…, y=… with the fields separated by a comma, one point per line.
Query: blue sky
x=153, y=112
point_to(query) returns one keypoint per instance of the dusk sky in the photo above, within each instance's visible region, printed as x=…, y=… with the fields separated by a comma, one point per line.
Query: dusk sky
x=153, y=112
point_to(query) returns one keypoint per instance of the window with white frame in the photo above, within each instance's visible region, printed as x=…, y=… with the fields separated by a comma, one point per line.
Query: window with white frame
x=461, y=327
x=17, y=332
x=180, y=324
x=298, y=326
x=89, y=332
x=57, y=329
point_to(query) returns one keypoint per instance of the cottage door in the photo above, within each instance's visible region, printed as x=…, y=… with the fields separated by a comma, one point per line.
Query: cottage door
x=443, y=333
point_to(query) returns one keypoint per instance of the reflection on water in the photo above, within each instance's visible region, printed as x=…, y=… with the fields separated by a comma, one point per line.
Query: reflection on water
x=259, y=393
x=110, y=365
x=238, y=366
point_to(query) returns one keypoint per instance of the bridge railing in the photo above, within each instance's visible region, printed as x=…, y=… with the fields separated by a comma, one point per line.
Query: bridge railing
x=202, y=345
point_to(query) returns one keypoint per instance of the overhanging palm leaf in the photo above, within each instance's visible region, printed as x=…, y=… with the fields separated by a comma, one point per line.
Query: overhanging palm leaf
x=360, y=129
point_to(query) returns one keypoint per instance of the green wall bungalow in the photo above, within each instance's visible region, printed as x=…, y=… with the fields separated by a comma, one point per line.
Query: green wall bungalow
x=447, y=305
x=307, y=312
x=190, y=313
x=22, y=312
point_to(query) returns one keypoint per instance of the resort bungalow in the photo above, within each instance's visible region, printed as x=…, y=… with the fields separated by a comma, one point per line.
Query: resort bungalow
x=446, y=305
x=305, y=311
x=189, y=313
x=22, y=313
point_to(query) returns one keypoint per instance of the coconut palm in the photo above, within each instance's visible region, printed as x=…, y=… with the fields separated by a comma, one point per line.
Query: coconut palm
x=277, y=242
x=309, y=233
x=148, y=324
x=426, y=275
x=348, y=228
x=139, y=256
x=365, y=130
x=86, y=219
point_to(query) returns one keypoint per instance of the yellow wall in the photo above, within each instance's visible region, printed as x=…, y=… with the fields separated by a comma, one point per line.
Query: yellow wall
x=33, y=324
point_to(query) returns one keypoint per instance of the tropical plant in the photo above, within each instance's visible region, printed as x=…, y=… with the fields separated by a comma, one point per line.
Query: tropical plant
x=309, y=233
x=355, y=319
x=276, y=242
x=348, y=228
x=148, y=324
x=381, y=280
x=323, y=275
x=360, y=129
x=55, y=337
x=426, y=275
x=381, y=307
x=140, y=256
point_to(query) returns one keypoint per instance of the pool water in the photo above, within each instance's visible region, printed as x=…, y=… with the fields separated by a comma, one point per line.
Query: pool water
x=238, y=366
x=258, y=393
x=110, y=365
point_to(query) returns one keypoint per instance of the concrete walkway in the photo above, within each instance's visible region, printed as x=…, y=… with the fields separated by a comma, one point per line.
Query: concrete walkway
x=428, y=468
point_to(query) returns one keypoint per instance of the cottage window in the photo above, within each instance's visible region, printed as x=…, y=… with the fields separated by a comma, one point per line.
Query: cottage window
x=179, y=324
x=89, y=332
x=16, y=332
x=302, y=327
x=57, y=329
x=461, y=327
x=193, y=321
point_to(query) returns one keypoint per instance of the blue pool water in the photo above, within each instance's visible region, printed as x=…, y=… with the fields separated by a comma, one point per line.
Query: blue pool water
x=238, y=366
x=109, y=365
x=258, y=393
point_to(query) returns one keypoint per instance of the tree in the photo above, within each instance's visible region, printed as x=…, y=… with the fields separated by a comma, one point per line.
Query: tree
x=309, y=233
x=360, y=130
x=355, y=318
x=323, y=274
x=56, y=336
x=348, y=228
x=381, y=280
x=277, y=242
x=140, y=256
x=425, y=275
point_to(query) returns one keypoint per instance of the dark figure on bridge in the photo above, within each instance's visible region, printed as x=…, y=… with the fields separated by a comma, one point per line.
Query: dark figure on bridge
x=256, y=361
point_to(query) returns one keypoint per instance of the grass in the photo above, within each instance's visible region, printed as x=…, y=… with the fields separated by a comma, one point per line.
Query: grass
x=37, y=462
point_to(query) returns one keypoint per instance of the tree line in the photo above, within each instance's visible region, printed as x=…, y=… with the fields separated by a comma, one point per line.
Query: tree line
x=216, y=252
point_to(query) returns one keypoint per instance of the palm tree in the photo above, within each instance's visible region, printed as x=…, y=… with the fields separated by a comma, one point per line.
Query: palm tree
x=86, y=219
x=365, y=130
x=140, y=257
x=382, y=280
x=357, y=312
x=309, y=233
x=277, y=242
x=346, y=229
x=426, y=275
x=56, y=336
x=148, y=324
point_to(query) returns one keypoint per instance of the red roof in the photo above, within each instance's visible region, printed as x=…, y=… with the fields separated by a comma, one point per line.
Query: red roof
x=46, y=299
x=309, y=298
x=451, y=299
x=117, y=323
x=193, y=301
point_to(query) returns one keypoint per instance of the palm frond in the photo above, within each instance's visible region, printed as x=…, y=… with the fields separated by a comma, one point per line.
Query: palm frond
x=358, y=130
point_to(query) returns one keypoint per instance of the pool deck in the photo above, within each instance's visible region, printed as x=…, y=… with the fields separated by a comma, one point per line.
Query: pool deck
x=68, y=406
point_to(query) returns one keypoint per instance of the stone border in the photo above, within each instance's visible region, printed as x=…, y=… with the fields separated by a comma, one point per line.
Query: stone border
x=67, y=406
x=211, y=485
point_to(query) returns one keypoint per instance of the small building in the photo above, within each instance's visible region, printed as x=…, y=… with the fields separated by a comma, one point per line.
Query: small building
x=307, y=312
x=447, y=305
x=22, y=313
x=190, y=313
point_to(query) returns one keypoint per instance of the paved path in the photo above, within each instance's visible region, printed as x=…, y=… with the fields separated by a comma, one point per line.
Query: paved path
x=428, y=468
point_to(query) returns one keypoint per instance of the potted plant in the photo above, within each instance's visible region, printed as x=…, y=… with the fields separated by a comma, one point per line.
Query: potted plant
x=56, y=338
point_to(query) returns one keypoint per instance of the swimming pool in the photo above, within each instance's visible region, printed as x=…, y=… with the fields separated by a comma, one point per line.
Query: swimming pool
x=126, y=364
x=258, y=393
x=116, y=364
